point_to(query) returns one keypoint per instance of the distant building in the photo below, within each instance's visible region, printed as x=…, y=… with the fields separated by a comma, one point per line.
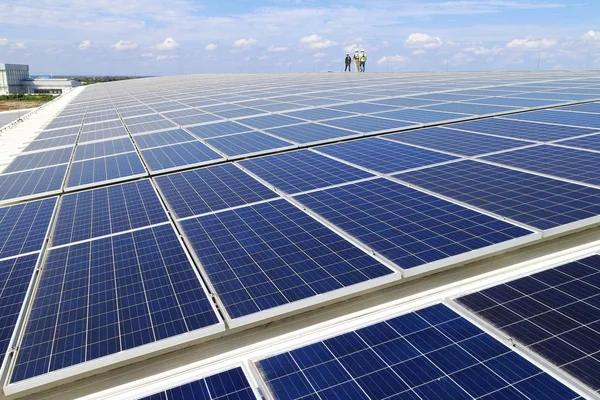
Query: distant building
x=14, y=78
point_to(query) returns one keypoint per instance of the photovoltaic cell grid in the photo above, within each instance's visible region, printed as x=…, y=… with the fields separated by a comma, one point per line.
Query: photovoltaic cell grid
x=104, y=211
x=34, y=182
x=247, y=143
x=554, y=313
x=408, y=227
x=271, y=254
x=163, y=138
x=429, y=354
x=577, y=165
x=534, y=200
x=15, y=276
x=366, y=124
x=303, y=170
x=383, y=155
x=110, y=168
x=309, y=133
x=23, y=227
x=228, y=385
x=457, y=142
x=204, y=190
x=563, y=118
x=591, y=142
x=108, y=295
x=521, y=129
x=179, y=155
x=103, y=149
x=39, y=160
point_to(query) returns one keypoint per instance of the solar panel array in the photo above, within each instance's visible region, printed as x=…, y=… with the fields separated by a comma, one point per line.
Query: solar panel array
x=555, y=313
x=432, y=353
x=269, y=192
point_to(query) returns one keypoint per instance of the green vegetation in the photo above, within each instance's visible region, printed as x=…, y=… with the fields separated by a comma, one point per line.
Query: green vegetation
x=27, y=97
x=88, y=80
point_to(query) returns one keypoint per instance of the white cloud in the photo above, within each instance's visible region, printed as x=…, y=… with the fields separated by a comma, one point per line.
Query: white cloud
x=275, y=49
x=352, y=47
x=163, y=57
x=316, y=42
x=244, y=44
x=86, y=44
x=18, y=46
x=3, y=41
x=319, y=55
x=124, y=45
x=484, y=51
x=168, y=44
x=422, y=41
x=418, y=52
x=590, y=35
x=262, y=58
x=531, y=44
x=397, y=59
x=462, y=58
x=211, y=47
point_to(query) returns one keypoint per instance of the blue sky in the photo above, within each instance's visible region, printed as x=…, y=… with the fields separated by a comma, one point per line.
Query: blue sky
x=157, y=37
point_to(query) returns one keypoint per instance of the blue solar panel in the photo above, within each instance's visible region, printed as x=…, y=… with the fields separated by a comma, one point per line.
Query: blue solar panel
x=179, y=155
x=509, y=101
x=99, y=126
x=143, y=119
x=228, y=385
x=108, y=210
x=577, y=165
x=240, y=112
x=58, y=132
x=558, y=97
x=587, y=107
x=196, y=119
x=555, y=313
x=364, y=108
x=367, y=124
x=34, y=182
x=164, y=138
x=534, y=200
x=420, y=115
x=469, y=108
x=408, y=227
x=151, y=126
x=23, y=227
x=15, y=276
x=300, y=171
x=558, y=117
x=318, y=114
x=103, y=134
x=406, y=102
x=109, y=295
x=270, y=121
x=521, y=130
x=218, y=129
x=383, y=155
x=103, y=169
x=429, y=354
x=270, y=254
x=39, y=160
x=310, y=133
x=210, y=189
x=44, y=144
x=279, y=107
x=453, y=141
x=247, y=143
x=588, y=142
x=103, y=149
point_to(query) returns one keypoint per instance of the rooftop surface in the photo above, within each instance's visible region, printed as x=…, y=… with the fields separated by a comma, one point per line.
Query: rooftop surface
x=222, y=233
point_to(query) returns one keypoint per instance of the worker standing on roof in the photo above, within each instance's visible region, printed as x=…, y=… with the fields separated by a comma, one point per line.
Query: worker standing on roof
x=348, y=62
x=356, y=61
x=363, y=60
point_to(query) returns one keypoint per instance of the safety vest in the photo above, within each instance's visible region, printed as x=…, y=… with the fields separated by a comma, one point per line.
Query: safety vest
x=356, y=56
x=363, y=57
